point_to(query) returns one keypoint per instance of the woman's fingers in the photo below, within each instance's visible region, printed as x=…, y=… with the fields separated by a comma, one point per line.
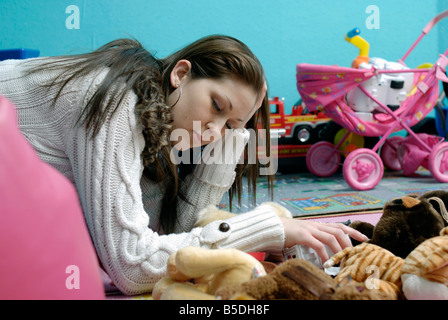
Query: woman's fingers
x=355, y=234
x=317, y=235
x=320, y=249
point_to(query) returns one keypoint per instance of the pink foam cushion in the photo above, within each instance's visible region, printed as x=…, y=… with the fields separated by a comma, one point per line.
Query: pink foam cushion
x=45, y=248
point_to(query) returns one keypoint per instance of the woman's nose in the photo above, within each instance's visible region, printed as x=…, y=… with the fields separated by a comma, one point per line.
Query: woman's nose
x=216, y=128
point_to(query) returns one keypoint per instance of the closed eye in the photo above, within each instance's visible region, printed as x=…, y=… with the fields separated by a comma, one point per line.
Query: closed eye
x=217, y=108
x=215, y=105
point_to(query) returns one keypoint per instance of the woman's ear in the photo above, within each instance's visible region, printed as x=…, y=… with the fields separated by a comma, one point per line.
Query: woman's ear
x=179, y=72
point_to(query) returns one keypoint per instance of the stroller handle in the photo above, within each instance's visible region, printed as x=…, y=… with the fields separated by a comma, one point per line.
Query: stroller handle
x=434, y=21
x=425, y=30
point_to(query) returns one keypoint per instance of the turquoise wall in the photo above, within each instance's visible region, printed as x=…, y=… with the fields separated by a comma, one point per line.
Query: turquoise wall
x=281, y=33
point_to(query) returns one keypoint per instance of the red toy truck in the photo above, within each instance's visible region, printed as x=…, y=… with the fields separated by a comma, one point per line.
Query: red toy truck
x=298, y=130
x=301, y=125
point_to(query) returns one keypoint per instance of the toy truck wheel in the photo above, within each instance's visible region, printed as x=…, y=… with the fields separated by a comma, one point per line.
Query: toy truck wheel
x=389, y=153
x=319, y=131
x=323, y=159
x=303, y=134
x=438, y=162
x=362, y=169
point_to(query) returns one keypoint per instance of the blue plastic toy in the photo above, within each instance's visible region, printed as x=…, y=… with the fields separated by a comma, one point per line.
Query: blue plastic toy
x=18, y=54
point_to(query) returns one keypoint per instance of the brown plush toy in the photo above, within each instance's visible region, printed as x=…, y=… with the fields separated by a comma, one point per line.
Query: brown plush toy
x=408, y=221
x=299, y=279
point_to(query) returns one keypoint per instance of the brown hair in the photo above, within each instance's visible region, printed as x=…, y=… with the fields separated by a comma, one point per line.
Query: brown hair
x=131, y=67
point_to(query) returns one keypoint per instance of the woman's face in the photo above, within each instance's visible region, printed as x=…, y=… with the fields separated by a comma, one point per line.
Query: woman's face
x=207, y=107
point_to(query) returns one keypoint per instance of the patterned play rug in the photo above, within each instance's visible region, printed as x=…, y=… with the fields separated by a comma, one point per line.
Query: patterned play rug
x=307, y=195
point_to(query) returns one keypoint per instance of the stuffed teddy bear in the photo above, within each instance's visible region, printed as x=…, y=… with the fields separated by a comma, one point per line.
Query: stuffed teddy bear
x=196, y=273
x=406, y=222
x=425, y=270
x=299, y=279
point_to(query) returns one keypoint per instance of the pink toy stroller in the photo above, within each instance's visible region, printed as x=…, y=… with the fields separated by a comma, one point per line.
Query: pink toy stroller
x=337, y=91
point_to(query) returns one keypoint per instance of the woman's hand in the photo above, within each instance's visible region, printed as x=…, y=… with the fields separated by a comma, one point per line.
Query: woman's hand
x=316, y=235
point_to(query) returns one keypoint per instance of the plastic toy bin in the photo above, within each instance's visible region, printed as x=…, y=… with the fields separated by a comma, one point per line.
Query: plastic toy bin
x=18, y=54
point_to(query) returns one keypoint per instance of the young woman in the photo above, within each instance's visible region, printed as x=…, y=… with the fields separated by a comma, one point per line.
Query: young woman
x=110, y=120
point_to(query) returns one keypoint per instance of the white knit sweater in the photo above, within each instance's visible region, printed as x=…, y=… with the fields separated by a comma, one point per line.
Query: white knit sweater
x=121, y=207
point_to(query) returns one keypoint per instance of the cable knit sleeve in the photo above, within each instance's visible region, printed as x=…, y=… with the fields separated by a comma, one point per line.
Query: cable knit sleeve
x=216, y=174
x=107, y=171
x=257, y=230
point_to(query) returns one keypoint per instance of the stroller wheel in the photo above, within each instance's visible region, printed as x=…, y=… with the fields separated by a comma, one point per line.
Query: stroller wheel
x=322, y=159
x=389, y=153
x=438, y=162
x=363, y=169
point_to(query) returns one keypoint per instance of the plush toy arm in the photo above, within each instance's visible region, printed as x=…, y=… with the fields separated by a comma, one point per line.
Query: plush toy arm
x=195, y=262
x=161, y=286
x=366, y=261
x=346, y=253
x=185, y=291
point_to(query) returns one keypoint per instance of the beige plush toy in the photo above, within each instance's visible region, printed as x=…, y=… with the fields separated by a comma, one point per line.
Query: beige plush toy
x=425, y=270
x=196, y=273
